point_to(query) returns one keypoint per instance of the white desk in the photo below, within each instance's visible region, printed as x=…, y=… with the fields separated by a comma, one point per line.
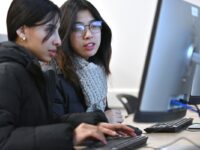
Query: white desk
x=157, y=140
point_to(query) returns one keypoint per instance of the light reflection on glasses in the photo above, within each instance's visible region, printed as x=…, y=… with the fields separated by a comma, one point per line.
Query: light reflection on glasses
x=94, y=27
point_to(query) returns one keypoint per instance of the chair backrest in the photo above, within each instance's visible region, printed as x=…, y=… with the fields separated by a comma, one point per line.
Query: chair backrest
x=129, y=102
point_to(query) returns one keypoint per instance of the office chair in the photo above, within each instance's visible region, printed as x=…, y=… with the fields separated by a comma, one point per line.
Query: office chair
x=129, y=102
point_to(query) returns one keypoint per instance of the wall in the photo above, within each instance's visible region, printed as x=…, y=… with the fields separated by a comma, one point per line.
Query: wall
x=130, y=21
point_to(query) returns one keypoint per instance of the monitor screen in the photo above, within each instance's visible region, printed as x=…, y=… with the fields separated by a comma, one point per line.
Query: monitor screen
x=195, y=93
x=169, y=66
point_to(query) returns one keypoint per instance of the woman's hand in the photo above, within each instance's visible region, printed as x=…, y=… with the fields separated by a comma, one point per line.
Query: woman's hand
x=115, y=129
x=114, y=116
x=86, y=131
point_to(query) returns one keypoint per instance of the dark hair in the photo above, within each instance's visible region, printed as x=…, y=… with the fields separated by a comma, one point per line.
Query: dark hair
x=69, y=12
x=29, y=13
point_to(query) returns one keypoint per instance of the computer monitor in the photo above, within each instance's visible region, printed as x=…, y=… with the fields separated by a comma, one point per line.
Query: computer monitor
x=170, y=62
x=195, y=93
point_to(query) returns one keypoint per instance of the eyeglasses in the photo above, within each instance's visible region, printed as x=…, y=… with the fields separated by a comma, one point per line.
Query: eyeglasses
x=94, y=26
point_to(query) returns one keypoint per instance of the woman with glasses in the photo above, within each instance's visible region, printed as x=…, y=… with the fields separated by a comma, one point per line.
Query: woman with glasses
x=26, y=118
x=84, y=61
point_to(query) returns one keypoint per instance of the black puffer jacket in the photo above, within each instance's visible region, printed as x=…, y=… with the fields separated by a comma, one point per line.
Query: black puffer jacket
x=25, y=112
x=26, y=117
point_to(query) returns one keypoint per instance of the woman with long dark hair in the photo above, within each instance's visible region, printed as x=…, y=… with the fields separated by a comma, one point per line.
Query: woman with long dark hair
x=84, y=60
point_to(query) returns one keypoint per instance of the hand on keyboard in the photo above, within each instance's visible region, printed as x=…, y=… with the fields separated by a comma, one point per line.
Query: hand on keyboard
x=116, y=129
x=98, y=132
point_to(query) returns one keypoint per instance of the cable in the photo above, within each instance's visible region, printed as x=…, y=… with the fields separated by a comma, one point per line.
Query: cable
x=173, y=142
x=175, y=102
x=181, y=138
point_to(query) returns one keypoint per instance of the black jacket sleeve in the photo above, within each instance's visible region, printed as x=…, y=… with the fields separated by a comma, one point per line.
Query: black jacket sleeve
x=90, y=117
x=13, y=135
x=47, y=137
x=61, y=105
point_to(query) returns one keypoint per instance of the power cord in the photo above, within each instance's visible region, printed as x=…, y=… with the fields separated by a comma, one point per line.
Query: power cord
x=181, y=138
x=173, y=142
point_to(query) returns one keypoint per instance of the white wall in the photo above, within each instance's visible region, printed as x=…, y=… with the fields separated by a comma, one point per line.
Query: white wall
x=130, y=21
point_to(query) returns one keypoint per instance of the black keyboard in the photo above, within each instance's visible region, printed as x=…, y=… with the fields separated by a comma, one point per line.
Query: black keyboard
x=118, y=143
x=172, y=126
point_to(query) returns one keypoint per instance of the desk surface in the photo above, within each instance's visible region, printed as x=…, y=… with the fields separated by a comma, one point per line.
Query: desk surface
x=157, y=140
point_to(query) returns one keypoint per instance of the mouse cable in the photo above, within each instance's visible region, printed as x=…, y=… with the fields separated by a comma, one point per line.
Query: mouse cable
x=179, y=139
x=173, y=142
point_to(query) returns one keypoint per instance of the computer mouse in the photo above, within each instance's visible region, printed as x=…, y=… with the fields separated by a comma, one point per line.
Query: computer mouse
x=137, y=130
